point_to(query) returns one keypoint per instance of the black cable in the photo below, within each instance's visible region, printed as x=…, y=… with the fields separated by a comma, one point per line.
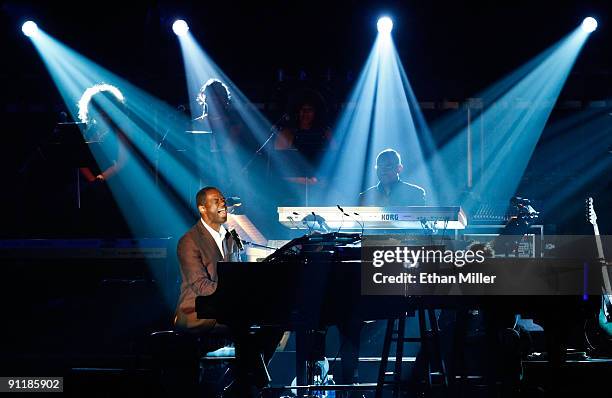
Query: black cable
x=341, y=222
x=362, y=224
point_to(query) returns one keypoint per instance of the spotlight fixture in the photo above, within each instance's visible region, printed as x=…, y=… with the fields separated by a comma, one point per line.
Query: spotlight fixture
x=180, y=27
x=384, y=25
x=29, y=28
x=589, y=24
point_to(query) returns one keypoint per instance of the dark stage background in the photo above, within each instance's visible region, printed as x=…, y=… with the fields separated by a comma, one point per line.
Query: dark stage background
x=63, y=315
x=450, y=50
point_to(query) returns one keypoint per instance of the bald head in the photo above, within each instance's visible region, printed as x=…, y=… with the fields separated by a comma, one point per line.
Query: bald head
x=388, y=166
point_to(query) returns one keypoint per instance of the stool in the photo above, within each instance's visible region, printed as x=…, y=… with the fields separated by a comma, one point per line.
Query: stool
x=182, y=359
x=430, y=350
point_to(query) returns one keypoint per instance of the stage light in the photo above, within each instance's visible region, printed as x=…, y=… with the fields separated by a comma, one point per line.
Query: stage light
x=29, y=28
x=384, y=25
x=180, y=27
x=589, y=24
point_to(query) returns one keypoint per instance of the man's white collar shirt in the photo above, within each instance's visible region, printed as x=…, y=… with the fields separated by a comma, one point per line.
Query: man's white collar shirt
x=217, y=236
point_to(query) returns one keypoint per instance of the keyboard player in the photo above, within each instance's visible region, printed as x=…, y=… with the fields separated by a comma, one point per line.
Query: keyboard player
x=391, y=190
x=199, y=250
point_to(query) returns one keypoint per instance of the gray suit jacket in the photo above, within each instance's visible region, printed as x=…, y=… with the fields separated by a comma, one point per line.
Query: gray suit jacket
x=198, y=255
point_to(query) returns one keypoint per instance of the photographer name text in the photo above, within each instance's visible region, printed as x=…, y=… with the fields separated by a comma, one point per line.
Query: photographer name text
x=434, y=278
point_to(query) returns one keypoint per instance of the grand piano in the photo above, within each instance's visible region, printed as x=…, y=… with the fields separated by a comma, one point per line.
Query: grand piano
x=308, y=284
x=317, y=277
x=316, y=280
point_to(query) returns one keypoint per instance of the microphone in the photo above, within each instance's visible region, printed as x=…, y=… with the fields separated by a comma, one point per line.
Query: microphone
x=362, y=224
x=281, y=121
x=304, y=222
x=314, y=219
x=348, y=215
x=233, y=201
x=237, y=239
x=343, y=214
x=292, y=221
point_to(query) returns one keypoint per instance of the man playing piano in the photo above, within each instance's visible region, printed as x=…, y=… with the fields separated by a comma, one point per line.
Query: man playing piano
x=199, y=250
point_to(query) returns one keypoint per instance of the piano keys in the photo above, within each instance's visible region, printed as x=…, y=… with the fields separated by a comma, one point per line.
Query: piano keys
x=375, y=218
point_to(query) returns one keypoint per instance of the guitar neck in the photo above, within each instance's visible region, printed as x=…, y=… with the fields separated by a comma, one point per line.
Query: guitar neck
x=600, y=252
x=607, y=286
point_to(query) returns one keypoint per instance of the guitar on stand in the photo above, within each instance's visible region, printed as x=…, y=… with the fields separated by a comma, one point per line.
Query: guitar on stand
x=599, y=334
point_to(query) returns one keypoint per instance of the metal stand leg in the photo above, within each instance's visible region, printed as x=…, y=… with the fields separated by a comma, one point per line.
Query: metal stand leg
x=399, y=356
x=384, y=358
x=430, y=351
x=78, y=188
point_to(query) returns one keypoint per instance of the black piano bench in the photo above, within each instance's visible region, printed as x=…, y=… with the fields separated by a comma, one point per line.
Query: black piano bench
x=188, y=363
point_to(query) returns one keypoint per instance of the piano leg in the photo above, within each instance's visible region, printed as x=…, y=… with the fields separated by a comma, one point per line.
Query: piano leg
x=301, y=349
x=254, y=350
x=350, y=334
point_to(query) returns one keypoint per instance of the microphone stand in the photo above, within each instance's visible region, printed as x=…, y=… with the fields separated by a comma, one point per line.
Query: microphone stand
x=273, y=131
x=348, y=215
x=157, y=150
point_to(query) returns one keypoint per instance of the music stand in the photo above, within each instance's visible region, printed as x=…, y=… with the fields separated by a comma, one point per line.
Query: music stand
x=68, y=148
